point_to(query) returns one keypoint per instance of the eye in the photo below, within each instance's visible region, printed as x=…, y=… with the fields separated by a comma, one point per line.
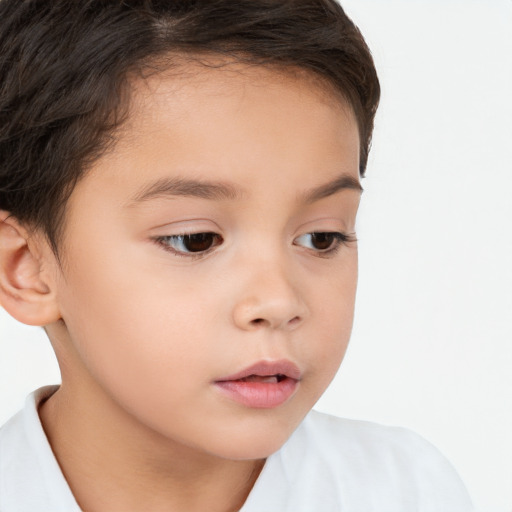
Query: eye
x=190, y=244
x=323, y=241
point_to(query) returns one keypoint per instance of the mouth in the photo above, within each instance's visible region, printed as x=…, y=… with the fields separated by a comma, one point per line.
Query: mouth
x=264, y=385
x=264, y=378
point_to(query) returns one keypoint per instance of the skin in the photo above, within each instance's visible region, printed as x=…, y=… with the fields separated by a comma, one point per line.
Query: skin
x=141, y=333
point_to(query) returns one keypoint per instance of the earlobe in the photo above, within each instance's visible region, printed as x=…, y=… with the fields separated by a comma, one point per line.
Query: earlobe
x=25, y=290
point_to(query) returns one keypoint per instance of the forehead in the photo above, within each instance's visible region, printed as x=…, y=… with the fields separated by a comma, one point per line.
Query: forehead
x=223, y=75
x=255, y=126
x=233, y=106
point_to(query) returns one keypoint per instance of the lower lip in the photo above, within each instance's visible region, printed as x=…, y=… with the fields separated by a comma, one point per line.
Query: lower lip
x=258, y=395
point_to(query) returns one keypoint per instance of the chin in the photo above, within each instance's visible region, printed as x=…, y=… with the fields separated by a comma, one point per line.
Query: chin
x=250, y=443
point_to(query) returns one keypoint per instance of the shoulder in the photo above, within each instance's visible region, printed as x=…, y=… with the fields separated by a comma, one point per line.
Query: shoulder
x=384, y=468
x=12, y=439
x=331, y=434
x=13, y=455
x=30, y=478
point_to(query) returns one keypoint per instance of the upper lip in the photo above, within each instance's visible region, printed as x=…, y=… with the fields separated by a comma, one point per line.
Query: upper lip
x=266, y=368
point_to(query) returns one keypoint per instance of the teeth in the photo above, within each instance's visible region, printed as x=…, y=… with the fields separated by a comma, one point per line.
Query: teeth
x=261, y=378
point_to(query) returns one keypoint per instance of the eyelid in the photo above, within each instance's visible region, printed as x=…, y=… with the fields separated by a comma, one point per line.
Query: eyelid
x=187, y=226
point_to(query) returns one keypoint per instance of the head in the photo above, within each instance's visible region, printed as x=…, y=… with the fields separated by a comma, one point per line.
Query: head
x=179, y=183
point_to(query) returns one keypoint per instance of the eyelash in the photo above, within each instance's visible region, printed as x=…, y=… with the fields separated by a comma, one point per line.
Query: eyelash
x=163, y=241
x=339, y=239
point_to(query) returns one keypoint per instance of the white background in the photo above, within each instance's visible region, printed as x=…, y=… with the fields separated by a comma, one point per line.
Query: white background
x=432, y=341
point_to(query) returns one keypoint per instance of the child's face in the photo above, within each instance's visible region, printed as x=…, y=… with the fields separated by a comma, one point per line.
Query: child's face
x=258, y=161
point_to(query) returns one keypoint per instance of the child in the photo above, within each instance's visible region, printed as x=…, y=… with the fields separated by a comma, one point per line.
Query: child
x=179, y=182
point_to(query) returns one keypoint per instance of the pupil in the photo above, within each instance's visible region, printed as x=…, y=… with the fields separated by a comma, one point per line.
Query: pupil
x=322, y=240
x=198, y=242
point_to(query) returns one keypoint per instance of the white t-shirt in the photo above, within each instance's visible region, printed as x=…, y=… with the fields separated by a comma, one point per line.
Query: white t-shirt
x=328, y=465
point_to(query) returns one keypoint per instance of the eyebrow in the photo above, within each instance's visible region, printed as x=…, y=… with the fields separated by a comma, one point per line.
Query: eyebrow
x=219, y=190
x=176, y=186
x=343, y=182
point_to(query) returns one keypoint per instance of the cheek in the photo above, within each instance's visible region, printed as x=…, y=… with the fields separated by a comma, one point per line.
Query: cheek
x=335, y=305
x=142, y=344
x=331, y=321
x=131, y=327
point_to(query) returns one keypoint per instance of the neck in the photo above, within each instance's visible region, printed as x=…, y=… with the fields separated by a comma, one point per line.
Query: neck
x=113, y=463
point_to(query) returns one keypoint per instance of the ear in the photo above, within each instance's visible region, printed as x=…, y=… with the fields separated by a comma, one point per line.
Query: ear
x=26, y=289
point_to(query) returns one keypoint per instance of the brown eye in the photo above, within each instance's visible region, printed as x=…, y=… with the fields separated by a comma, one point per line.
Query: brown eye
x=199, y=242
x=193, y=243
x=322, y=241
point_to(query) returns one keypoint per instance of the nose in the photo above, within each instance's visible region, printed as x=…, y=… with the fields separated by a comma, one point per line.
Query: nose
x=269, y=300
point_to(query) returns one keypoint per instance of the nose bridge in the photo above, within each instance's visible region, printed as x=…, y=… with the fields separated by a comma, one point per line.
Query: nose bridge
x=269, y=296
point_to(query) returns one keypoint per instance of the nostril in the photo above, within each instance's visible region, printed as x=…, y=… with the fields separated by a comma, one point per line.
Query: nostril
x=294, y=321
x=290, y=323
